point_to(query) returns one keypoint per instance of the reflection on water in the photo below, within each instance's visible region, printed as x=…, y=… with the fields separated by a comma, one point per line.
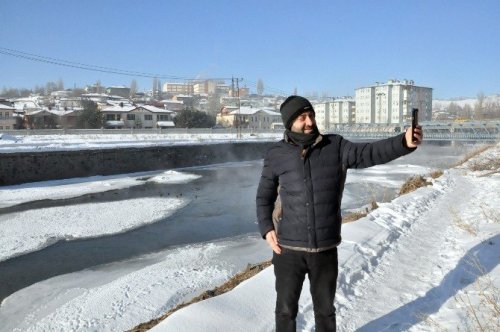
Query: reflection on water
x=222, y=205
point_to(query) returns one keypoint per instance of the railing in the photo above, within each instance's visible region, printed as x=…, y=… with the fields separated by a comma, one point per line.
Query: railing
x=369, y=133
x=138, y=131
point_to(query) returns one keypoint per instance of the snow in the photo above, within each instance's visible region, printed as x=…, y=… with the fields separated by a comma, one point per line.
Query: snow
x=120, y=296
x=401, y=267
x=30, y=143
x=69, y=188
x=33, y=230
x=404, y=267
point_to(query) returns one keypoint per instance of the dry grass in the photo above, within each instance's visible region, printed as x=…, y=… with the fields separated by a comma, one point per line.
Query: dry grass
x=492, y=165
x=353, y=216
x=436, y=326
x=435, y=174
x=490, y=214
x=463, y=225
x=413, y=184
x=489, y=164
x=249, y=272
x=484, y=314
x=473, y=154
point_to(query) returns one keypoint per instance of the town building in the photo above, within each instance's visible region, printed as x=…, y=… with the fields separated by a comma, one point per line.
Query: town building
x=392, y=102
x=247, y=117
x=48, y=118
x=204, y=87
x=143, y=116
x=8, y=117
x=178, y=88
x=121, y=91
x=332, y=113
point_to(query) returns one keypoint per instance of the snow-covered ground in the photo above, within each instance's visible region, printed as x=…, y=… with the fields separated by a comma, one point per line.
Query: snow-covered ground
x=411, y=265
x=403, y=267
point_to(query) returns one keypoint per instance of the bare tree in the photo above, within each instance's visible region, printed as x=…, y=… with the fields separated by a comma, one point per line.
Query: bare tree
x=155, y=85
x=479, y=106
x=214, y=105
x=260, y=87
x=158, y=89
x=50, y=87
x=133, y=88
x=60, y=85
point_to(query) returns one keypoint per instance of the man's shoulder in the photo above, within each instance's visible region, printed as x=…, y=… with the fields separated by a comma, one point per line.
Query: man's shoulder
x=329, y=139
x=276, y=146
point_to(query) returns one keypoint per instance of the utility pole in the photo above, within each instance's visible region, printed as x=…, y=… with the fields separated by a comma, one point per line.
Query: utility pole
x=379, y=95
x=236, y=81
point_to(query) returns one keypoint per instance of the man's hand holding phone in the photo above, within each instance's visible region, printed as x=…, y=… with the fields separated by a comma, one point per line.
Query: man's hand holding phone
x=414, y=134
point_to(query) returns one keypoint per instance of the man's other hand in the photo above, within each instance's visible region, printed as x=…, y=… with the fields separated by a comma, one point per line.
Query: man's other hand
x=272, y=240
x=419, y=135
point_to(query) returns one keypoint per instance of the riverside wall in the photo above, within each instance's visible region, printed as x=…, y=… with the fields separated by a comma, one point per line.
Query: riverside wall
x=22, y=167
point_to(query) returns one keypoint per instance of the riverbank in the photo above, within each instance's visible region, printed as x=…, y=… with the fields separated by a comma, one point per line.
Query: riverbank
x=421, y=290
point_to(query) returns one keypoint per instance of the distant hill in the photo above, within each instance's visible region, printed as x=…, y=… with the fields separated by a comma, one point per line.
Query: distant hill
x=443, y=103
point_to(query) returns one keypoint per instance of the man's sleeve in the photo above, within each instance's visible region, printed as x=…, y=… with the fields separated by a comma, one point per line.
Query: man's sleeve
x=361, y=155
x=266, y=196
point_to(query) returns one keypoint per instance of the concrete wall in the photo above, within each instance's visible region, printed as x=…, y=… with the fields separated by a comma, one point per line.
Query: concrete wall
x=16, y=168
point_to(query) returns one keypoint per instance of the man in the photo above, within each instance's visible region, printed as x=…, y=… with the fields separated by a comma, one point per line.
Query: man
x=309, y=171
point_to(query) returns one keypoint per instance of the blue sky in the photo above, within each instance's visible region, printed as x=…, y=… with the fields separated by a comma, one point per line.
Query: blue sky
x=328, y=47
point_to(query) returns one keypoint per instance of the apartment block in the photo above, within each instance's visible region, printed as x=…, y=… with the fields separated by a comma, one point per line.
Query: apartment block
x=331, y=113
x=392, y=102
x=176, y=88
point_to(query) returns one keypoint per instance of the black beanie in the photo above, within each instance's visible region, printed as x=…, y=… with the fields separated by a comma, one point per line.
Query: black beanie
x=292, y=107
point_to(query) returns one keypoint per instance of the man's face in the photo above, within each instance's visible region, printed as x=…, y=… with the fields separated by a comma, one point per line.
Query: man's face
x=304, y=123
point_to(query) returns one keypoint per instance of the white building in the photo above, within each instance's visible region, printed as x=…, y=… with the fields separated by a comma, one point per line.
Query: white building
x=338, y=111
x=8, y=117
x=143, y=116
x=247, y=117
x=392, y=102
x=204, y=87
x=175, y=88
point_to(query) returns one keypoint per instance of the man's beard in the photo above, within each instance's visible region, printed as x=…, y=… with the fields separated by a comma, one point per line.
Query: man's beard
x=303, y=139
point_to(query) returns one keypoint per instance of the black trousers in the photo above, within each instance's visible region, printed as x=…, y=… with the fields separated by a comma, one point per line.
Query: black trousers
x=290, y=269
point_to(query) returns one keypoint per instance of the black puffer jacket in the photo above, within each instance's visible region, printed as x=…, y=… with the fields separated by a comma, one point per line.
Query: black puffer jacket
x=311, y=183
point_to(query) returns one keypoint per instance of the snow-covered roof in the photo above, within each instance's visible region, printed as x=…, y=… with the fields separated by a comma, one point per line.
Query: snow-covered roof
x=22, y=103
x=172, y=101
x=5, y=107
x=124, y=102
x=118, y=109
x=252, y=111
x=61, y=112
x=155, y=109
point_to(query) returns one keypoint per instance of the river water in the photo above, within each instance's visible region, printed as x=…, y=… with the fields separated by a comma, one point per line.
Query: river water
x=222, y=205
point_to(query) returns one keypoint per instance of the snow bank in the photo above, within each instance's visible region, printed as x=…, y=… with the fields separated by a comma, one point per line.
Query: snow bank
x=119, y=296
x=33, y=230
x=69, y=188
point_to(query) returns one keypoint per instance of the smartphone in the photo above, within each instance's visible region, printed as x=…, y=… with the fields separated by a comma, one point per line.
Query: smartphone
x=414, y=123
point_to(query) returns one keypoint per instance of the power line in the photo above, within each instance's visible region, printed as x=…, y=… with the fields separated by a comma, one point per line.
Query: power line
x=78, y=65
x=111, y=70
